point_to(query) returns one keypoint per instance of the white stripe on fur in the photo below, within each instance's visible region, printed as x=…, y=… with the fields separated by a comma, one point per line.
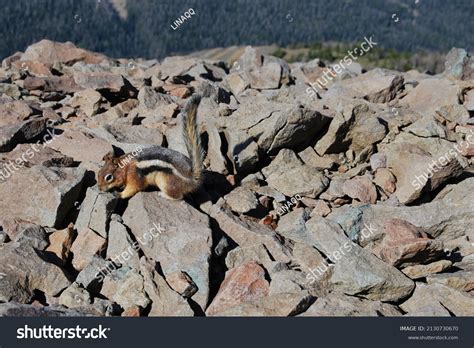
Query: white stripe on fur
x=160, y=163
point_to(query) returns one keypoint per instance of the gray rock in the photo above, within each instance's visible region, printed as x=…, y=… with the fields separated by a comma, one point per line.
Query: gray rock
x=125, y=286
x=459, y=64
x=340, y=305
x=173, y=246
x=430, y=95
x=137, y=134
x=287, y=281
x=90, y=277
x=263, y=72
x=3, y=237
x=74, y=296
x=165, y=302
x=24, y=270
x=378, y=160
x=288, y=175
x=242, y=255
x=13, y=309
x=149, y=99
x=96, y=210
x=448, y=216
x=247, y=233
x=279, y=305
x=460, y=280
x=243, y=150
x=32, y=235
x=348, y=129
x=427, y=296
x=292, y=225
x=274, y=126
x=217, y=161
x=121, y=249
x=376, y=86
x=454, y=113
x=411, y=160
x=242, y=200
x=355, y=270
x=14, y=130
x=421, y=271
x=10, y=89
x=55, y=191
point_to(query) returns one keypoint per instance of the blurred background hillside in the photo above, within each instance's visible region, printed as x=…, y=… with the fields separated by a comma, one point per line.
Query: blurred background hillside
x=410, y=35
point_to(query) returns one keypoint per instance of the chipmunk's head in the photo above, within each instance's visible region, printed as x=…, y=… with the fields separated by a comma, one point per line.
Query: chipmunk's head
x=112, y=176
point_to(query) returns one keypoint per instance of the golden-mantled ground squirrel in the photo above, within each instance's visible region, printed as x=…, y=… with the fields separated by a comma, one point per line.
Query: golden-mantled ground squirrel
x=171, y=172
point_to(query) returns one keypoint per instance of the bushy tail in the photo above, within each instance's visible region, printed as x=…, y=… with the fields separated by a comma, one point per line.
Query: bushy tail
x=192, y=139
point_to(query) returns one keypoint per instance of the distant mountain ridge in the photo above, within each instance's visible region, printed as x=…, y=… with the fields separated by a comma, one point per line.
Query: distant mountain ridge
x=142, y=28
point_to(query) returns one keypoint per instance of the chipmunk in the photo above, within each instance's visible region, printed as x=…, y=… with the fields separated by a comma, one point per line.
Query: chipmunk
x=174, y=174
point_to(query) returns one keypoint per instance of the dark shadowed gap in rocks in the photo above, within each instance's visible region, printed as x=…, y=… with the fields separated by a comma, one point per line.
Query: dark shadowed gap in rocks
x=68, y=211
x=204, y=143
x=198, y=311
x=165, y=141
x=67, y=267
x=450, y=312
x=39, y=296
x=217, y=265
x=139, y=251
x=224, y=150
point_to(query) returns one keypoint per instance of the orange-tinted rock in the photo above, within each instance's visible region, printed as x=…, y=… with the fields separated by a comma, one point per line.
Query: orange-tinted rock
x=50, y=52
x=60, y=242
x=182, y=283
x=405, y=244
x=360, y=188
x=241, y=284
x=86, y=245
x=133, y=311
x=386, y=180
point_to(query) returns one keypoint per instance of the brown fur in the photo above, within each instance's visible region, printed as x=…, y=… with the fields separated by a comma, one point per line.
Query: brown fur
x=127, y=182
x=123, y=176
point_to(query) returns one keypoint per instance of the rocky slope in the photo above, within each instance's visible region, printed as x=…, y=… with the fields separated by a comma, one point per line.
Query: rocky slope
x=352, y=200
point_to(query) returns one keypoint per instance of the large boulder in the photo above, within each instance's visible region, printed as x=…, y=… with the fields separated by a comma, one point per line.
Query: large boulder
x=356, y=271
x=50, y=52
x=174, y=234
x=24, y=270
x=54, y=189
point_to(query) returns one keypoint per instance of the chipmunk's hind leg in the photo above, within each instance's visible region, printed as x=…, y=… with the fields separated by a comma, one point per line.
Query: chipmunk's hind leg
x=171, y=187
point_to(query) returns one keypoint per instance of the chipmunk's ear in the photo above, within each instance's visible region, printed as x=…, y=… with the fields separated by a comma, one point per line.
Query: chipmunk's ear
x=109, y=157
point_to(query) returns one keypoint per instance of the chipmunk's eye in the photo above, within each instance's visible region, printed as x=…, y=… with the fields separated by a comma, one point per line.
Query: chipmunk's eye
x=109, y=178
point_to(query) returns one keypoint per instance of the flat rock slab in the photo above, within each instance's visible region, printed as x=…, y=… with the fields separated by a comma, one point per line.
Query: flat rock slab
x=356, y=271
x=279, y=305
x=24, y=270
x=449, y=216
x=241, y=284
x=340, y=305
x=174, y=234
x=426, y=296
x=96, y=210
x=13, y=309
x=50, y=194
